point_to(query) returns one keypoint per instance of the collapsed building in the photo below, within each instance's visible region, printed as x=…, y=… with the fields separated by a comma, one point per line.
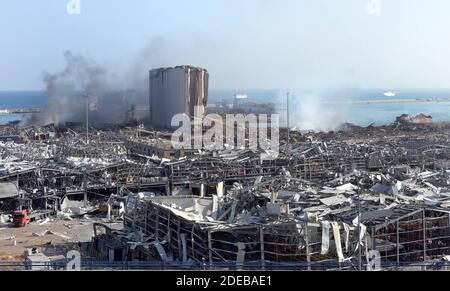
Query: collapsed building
x=421, y=118
x=328, y=201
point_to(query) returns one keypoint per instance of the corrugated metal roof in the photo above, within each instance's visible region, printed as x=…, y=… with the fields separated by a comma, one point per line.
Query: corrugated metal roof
x=8, y=190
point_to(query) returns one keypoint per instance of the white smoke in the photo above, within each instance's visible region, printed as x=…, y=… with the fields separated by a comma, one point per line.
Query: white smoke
x=114, y=88
x=317, y=111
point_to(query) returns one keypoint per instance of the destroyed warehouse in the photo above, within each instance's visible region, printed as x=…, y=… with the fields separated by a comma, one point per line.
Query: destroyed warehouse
x=326, y=202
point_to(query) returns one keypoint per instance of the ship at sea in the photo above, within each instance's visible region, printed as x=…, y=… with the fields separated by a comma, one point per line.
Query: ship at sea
x=390, y=94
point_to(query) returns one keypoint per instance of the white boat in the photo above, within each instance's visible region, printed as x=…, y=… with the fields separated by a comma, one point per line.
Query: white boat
x=390, y=94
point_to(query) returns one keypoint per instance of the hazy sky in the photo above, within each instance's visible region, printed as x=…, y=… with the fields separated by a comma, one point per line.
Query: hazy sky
x=243, y=43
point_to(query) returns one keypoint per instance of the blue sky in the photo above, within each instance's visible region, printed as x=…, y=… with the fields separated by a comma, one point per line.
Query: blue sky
x=243, y=43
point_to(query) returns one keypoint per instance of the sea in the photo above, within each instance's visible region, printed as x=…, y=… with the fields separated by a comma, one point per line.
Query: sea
x=20, y=100
x=358, y=106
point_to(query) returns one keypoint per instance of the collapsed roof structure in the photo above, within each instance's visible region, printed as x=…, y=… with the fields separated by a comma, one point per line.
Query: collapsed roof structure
x=327, y=202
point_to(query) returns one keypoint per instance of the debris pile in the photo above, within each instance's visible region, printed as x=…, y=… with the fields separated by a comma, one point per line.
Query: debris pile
x=329, y=200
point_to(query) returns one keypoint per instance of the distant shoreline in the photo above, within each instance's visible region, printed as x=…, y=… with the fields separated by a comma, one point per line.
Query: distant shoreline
x=383, y=101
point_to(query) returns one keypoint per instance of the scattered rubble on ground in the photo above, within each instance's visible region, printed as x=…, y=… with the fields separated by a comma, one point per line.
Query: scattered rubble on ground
x=327, y=201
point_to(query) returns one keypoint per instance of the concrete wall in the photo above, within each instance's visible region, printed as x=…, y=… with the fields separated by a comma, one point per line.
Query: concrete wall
x=176, y=90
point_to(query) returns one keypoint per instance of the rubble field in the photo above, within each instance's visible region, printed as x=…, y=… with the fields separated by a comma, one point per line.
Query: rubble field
x=329, y=200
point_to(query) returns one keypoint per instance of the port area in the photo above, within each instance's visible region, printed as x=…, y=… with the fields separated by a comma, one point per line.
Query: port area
x=122, y=196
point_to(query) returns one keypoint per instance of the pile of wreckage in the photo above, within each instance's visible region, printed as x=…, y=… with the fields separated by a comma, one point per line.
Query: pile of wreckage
x=405, y=217
x=41, y=173
x=329, y=200
x=322, y=204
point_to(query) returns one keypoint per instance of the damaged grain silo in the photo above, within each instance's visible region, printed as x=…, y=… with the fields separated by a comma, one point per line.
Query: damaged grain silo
x=177, y=90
